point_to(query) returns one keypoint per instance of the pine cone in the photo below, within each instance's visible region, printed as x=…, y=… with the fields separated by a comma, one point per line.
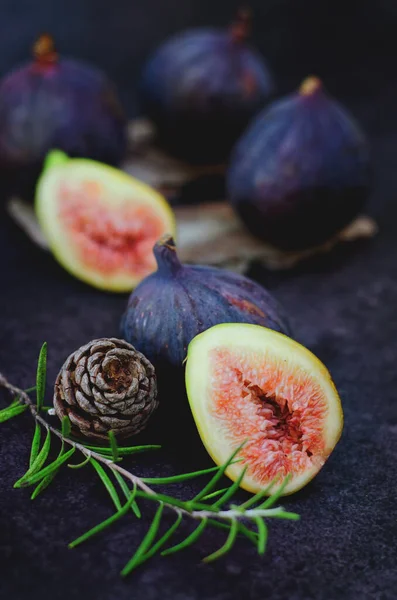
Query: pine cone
x=106, y=385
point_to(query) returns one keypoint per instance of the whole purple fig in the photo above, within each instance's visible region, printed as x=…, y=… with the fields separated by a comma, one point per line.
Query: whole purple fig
x=56, y=103
x=202, y=87
x=301, y=172
x=177, y=302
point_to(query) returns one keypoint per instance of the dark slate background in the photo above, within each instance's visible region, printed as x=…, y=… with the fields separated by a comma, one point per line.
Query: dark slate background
x=343, y=307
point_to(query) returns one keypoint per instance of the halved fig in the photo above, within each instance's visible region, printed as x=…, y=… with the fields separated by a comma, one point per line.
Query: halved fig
x=100, y=223
x=247, y=383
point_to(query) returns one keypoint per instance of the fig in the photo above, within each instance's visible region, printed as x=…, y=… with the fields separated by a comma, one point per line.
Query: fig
x=202, y=87
x=251, y=386
x=99, y=222
x=175, y=303
x=56, y=103
x=301, y=172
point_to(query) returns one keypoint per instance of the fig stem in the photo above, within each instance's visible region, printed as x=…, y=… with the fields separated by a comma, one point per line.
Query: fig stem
x=44, y=50
x=54, y=158
x=310, y=86
x=168, y=263
x=240, y=29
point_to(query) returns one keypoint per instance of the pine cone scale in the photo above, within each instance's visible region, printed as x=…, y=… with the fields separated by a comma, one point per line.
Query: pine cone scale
x=79, y=354
x=68, y=394
x=85, y=384
x=80, y=371
x=134, y=409
x=115, y=423
x=81, y=423
x=85, y=404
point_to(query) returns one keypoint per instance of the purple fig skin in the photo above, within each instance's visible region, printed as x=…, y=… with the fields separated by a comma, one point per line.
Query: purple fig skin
x=177, y=302
x=301, y=172
x=201, y=88
x=62, y=104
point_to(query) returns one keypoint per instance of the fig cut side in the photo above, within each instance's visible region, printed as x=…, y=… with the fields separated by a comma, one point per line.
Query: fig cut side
x=100, y=223
x=250, y=385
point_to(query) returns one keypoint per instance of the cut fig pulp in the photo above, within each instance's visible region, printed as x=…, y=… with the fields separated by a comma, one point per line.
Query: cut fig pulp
x=100, y=223
x=251, y=386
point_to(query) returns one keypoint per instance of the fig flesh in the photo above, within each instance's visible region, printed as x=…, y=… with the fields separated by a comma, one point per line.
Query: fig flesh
x=99, y=222
x=54, y=102
x=171, y=306
x=247, y=383
x=202, y=87
x=301, y=172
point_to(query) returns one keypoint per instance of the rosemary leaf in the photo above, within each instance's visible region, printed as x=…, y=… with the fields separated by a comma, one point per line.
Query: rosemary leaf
x=107, y=483
x=162, y=498
x=218, y=524
x=227, y=546
x=146, y=542
x=231, y=491
x=48, y=469
x=190, y=505
x=243, y=530
x=113, y=446
x=221, y=471
x=127, y=492
x=66, y=426
x=101, y=526
x=189, y=541
x=29, y=390
x=274, y=497
x=262, y=532
x=287, y=515
x=251, y=535
x=41, y=376
x=44, y=483
x=35, y=444
x=215, y=494
x=254, y=499
x=38, y=462
x=11, y=411
x=123, y=451
x=126, y=450
x=178, y=478
x=81, y=464
x=159, y=544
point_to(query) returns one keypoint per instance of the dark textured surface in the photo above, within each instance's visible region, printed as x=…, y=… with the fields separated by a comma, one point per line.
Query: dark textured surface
x=343, y=307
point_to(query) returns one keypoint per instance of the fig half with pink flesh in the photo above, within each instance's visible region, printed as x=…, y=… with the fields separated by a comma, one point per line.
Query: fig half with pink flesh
x=100, y=223
x=252, y=386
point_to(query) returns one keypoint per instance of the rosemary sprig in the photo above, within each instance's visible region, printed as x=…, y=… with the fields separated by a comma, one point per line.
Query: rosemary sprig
x=209, y=508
